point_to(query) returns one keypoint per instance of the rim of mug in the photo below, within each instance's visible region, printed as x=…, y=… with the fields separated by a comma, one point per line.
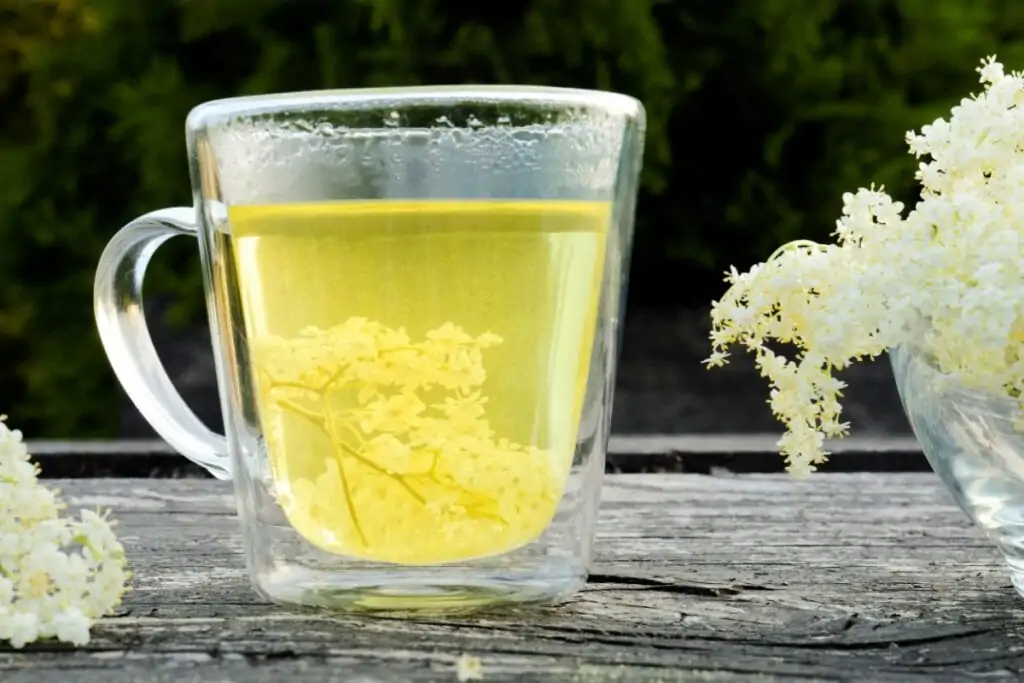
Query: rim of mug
x=226, y=109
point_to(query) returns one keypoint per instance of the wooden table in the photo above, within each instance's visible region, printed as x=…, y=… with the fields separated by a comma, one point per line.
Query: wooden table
x=845, y=577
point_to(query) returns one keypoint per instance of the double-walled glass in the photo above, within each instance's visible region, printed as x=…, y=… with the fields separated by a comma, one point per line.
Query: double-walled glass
x=414, y=296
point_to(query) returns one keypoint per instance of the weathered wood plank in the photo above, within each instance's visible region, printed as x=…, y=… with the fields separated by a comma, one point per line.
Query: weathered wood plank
x=629, y=454
x=845, y=577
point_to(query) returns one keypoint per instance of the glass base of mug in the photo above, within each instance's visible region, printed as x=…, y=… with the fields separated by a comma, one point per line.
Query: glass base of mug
x=419, y=590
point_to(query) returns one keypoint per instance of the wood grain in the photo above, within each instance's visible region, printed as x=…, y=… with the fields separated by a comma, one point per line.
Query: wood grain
x=845, y=577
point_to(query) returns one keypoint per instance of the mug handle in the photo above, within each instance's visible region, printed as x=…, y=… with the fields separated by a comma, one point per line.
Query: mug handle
x=117, y=304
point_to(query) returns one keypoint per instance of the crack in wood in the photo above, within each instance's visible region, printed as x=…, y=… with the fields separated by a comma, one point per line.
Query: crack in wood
x=669, y=586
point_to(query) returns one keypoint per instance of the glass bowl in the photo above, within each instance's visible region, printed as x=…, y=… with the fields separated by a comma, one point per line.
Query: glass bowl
x=975, y=443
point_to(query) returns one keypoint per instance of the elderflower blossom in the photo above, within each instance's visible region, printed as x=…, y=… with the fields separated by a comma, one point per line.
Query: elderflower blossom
x=57, y=575
x=944, y=278
x=382, y=447
x=469, y=668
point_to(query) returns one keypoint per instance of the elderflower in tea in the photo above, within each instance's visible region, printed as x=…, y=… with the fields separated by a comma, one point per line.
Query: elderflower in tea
x=57, y=575
x=945, y=278
x=381, y=447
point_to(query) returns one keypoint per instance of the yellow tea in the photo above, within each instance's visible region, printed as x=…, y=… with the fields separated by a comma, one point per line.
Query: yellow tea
x=419, y=366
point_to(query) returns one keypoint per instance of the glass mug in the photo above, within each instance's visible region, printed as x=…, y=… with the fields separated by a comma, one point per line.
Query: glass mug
x=414, y=296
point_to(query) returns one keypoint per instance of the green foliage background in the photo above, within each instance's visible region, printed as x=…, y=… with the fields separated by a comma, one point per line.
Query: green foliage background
x=762, y=112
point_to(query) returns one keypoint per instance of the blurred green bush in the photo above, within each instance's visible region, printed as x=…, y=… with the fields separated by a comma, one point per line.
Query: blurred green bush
x=762, y=112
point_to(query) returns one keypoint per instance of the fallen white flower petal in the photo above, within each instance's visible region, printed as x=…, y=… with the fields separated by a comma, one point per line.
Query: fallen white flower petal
x=469, y=668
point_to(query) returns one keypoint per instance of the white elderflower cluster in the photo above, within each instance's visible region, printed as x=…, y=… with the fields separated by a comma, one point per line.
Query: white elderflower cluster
x=946, y=278
x=57, y=575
